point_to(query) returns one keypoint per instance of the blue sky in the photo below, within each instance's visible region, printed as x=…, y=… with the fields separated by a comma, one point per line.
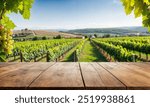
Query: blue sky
x=76, y=14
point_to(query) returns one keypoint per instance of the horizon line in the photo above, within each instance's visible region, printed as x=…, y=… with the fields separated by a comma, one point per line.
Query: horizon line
x=45, y=28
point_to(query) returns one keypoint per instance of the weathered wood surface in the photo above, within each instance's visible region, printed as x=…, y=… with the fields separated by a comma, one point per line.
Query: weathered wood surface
x=83, y=75
x=60, y=76
x=96, y=77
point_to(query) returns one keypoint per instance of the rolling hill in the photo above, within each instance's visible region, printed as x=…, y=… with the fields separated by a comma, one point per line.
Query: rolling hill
x=117, y=30
x=45, y=33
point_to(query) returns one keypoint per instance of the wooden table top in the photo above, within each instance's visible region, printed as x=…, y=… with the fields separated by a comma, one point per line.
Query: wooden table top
x=74, y=75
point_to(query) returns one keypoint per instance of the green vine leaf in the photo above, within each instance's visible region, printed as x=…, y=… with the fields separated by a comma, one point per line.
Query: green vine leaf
x=7, y=22
x=6, y=25
x=140, y=8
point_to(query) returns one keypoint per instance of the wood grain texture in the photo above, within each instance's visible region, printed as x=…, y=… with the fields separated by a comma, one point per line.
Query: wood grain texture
x=11, y=68
x=112, y=75
x=2, y=64
x=23, y=76
x=60, y=76
x=96, y=77
x=134, y=77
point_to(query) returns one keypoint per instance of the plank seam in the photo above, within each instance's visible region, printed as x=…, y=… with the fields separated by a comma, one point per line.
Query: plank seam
x=39, y=75
x=97, y=73
x=82, y=75
x=113, y=75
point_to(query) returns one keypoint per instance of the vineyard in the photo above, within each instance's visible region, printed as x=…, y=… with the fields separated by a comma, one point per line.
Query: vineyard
x=126, y=49
x=36, y=50
x=122, y=49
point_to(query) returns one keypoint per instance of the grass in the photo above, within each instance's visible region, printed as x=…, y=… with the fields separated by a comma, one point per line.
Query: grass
x=69, y=57
x=91, y=54
x=11, y=59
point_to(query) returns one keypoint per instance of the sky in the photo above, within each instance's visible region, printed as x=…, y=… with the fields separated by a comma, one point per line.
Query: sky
x=76, y=14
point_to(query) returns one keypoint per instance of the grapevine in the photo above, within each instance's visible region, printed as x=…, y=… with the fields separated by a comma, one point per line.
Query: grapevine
x=140, y=8
x=6, y=25
x=118, y=52
x=31, y=50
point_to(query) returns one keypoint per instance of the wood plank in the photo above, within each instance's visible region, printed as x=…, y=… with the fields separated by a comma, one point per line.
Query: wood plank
x=60, y=76
x=142, y=65
x=21, y=78
x=13, y=67
x=142, y=68
x=132, y=77
x=3, y=64
x=96, y=77
x=69, y=76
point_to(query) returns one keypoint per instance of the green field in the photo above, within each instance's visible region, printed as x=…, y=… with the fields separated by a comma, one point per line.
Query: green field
x=91, y=54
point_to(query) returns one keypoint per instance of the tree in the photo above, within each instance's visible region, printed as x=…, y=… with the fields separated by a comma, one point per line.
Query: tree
x=6, y=25
x=107, y=36
x=140, y=8
x=26, y=29
x=86, y=36
x=44, y=38
x=34, y=38
x=95, y=35
x=58, y=37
